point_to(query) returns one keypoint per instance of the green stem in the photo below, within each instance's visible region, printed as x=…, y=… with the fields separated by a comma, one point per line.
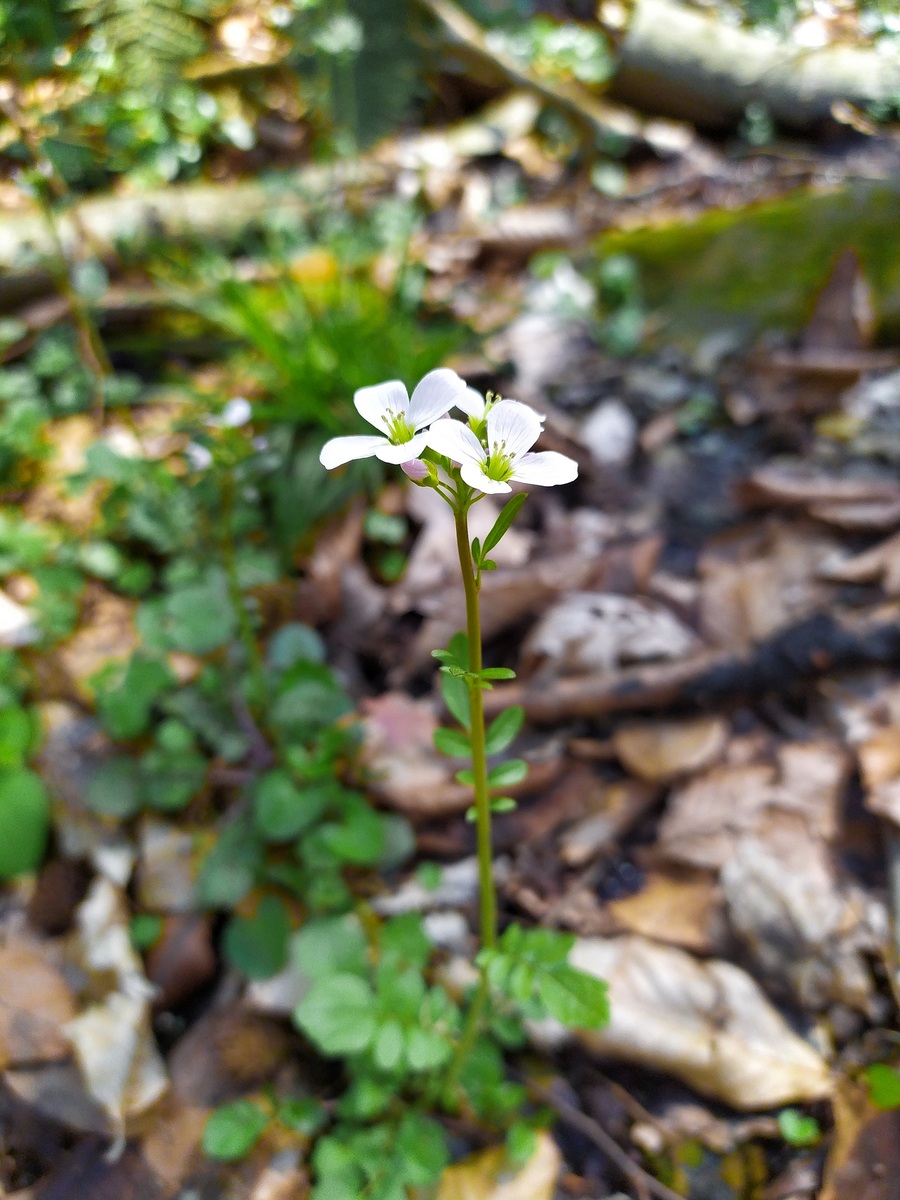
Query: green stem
x=245, y=626
x=487, y=895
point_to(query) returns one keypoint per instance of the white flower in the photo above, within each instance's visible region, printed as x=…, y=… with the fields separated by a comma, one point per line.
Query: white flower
x=388, y=407
x=512, y=429
x=472, y=403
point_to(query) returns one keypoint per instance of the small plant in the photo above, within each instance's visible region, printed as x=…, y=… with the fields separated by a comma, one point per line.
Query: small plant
x=412, y=1049
x=25, y=807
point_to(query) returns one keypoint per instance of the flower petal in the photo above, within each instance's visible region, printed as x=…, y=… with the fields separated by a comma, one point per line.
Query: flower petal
x=415, y=469
x=474, y=475
x=457, y=441
x=471, y=403
x=434, y=396
x=377, y=402
x=547, y=468
x=342, y=450
x=512, y=427
x=402, y=452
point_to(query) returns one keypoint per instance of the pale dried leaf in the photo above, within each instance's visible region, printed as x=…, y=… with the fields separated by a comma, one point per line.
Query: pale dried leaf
x=17, y=626
x=488, y=1175
x=708, y=1023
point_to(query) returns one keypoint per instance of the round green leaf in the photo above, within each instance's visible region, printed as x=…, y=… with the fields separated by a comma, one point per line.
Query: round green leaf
x=114, y=789
x=233, y=1130
x=338, y=1014
x=24, y=821
x=295, y=643
x=257, y=945
x=281, y=809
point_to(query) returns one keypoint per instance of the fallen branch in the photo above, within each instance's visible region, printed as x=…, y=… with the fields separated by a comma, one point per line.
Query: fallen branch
x=688, y=63
x=815, y=646
x=592, y=117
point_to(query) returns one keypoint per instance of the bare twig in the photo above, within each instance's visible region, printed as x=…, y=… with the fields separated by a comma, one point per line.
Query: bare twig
x=595, y=1133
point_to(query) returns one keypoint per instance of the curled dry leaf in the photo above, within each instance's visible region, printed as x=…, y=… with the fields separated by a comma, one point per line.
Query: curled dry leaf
x=113, y=1041
x=599, y=631
x=661, y=751
x=488, y=1175
x=708, y=1023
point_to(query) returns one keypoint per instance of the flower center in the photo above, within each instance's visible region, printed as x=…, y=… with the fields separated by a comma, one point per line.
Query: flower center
x=398, y=428
x=498, y=465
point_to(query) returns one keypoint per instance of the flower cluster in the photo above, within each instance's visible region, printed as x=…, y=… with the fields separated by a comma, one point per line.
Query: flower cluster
x=492, y=450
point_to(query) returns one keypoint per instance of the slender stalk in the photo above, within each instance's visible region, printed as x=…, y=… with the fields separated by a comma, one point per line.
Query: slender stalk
x=487, y=896
x=245, y=627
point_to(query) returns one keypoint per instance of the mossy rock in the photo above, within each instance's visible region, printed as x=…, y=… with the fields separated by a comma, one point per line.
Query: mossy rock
x=763, y=266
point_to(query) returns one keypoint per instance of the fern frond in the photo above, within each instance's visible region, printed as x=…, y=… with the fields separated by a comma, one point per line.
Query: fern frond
x=150, y=39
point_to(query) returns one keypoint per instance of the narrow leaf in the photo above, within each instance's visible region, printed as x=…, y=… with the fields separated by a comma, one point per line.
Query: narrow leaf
x=504, y=729
x=456, y=697
x=503, y=804
x=508, y=514
x=476, y=551
x=497, y=673
x=452, y=742
x=508, y=773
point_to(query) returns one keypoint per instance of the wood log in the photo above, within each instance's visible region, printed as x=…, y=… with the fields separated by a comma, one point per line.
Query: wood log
x=682, y=62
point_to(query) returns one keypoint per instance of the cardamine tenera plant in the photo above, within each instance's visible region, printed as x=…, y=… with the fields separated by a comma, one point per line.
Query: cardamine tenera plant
x=412, y=1048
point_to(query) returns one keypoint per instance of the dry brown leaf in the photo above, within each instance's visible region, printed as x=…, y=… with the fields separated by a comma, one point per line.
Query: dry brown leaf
x=226, y=1054
x=803, y=927
x=679, y=906
x=172, y=1144
x=35, y=1002
x=758, y=580
x=879, y=563
x=661, y=751
x=599, y=631
x=619, y=806
x=879, y=761
x=488, y=1175
x=708, y=1023
x=403, y=768
x=708, y=814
